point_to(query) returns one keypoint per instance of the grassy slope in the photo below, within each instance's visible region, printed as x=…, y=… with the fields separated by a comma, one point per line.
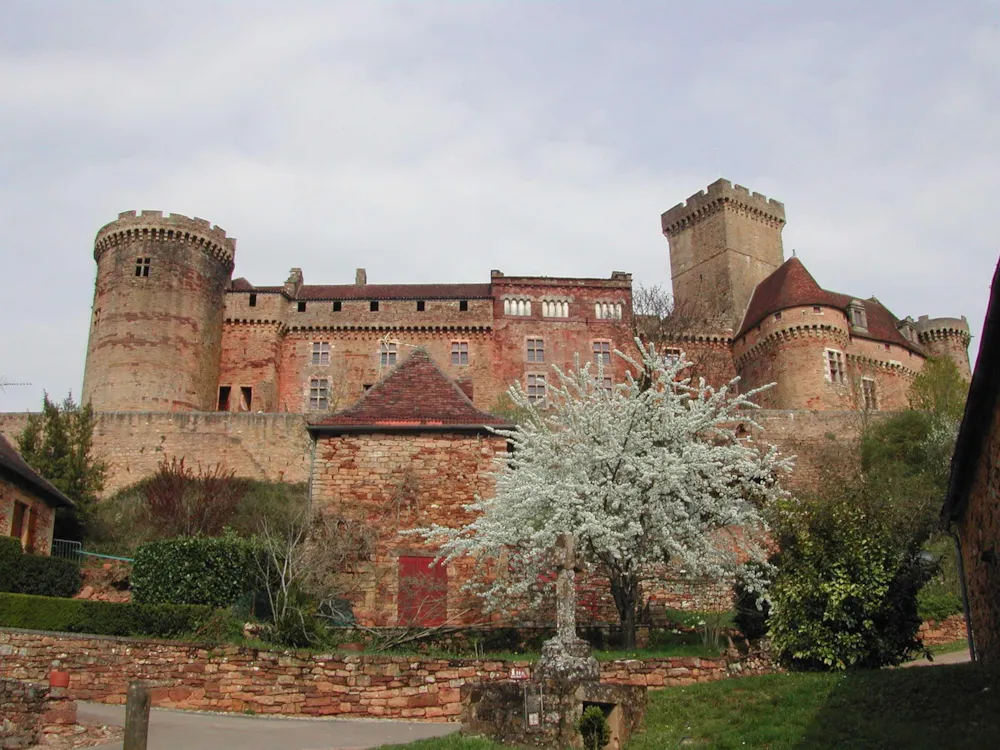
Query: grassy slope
x=953, y=706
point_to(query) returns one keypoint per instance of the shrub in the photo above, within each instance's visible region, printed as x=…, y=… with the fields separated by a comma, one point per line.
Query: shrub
x=594, y=728
x=752, y=611
x=194, y=570
x=40, y=575
x=109, y=618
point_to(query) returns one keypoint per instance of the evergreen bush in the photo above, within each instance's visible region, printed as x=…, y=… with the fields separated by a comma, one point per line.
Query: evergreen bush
x=594, y=728
x=208, y=571
x=40, y=575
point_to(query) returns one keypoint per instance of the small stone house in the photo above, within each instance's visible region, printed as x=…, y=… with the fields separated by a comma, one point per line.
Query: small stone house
x=972, y=506
x=412, y=452
x=28, y=502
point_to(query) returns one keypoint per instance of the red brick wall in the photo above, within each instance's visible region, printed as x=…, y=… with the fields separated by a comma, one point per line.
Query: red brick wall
x=36, y=534
x=251, y=353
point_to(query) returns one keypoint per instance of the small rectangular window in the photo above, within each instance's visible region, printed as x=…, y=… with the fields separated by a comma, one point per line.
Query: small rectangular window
x=536, y=350
x=319, y=394
x=253, y=300
x=224, y=391
x=463, y=305
x=777, y=316
x=602, y=352
x=373, y=305
x=536, y=389
x=421, y=305
x=246, y=398
x=336, y=305
x=834, y=366
x=387, y=354
x=17, y=522
x=818, y=310
x=142, y=267
x=672, y=356
x=460, y=353
x=302, y=307
x=321, y=353
x=868, y=394
x=609, y=386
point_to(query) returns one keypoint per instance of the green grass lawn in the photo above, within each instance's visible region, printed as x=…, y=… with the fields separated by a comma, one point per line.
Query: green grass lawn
x=949, y=707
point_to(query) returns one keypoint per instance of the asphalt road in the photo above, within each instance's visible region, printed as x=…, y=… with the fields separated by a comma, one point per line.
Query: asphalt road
x=173, y=730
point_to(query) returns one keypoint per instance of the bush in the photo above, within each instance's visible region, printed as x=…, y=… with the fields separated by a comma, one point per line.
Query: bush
x=752, y=612
x=108, y=618
x=594, y=728
x=40, y=575
x=194, y=570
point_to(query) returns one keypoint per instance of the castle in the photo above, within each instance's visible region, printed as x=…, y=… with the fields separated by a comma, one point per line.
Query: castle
x=171, y=330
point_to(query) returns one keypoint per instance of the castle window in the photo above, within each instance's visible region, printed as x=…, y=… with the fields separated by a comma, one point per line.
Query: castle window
x=321, y=353
x=536, y=389
x=301, y=307
x=224, y=391
x=463, y=305
x=517, y=307
x=602, y=352
x=142, y=267
x=319, y=394
x=373, y=305
x=460, y=352
x=834, y=366
x=868, y=394
x=336, y=305
x=97, y=316
x=672, y=356
x=536, y=350
x=887, y=347
x=253, y=300
x=608, y=310
x=818, y=310
x=387, y=354
x=555, y=309
x=609, y=386
x=777, y=316
x=421, y=305
x=246, y=398
x=856, y=314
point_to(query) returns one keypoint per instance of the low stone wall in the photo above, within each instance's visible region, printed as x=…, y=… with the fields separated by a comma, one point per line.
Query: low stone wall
x=31, y=713
x=949, y=630
x=243, y=679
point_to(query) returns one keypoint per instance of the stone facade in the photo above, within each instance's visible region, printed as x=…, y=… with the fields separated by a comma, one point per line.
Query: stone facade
x=32, y=713
x=241, y=679
x=34, y=518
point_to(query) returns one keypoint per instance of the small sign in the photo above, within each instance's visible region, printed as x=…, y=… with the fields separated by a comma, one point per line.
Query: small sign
x=532, y=720
x=518, y=673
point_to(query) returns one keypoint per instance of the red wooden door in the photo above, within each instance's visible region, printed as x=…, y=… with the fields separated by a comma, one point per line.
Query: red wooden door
x=422, y=597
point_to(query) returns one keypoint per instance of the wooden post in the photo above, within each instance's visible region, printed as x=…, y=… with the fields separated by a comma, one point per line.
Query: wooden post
x=137, y=716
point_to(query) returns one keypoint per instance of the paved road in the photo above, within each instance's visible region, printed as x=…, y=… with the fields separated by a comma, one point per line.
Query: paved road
x=955, y=657
x=176, y=730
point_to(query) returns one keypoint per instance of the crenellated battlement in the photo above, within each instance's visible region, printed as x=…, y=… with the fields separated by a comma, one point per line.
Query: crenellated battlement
x=937, y=328
x=714, y=198
x=131, y=226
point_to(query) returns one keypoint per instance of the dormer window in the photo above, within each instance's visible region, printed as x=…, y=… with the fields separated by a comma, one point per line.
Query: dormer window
x=856, y=314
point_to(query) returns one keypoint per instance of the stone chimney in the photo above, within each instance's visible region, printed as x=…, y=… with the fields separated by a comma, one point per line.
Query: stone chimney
x=360, y=277
x=293, y=282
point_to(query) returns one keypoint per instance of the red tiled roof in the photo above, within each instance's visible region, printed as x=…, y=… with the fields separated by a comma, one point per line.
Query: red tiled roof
x=15, y=467
x=414, y=395
x=791, y=285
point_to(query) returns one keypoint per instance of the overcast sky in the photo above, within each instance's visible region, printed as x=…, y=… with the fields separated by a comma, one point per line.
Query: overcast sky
x=433, y=141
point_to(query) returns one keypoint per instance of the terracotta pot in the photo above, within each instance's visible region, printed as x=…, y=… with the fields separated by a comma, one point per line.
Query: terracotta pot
x=58, y=679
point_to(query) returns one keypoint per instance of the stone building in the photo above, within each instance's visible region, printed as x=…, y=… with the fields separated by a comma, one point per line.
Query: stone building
x=972, y=506
x=412, y=452
x=28, y=502
x=172, y=331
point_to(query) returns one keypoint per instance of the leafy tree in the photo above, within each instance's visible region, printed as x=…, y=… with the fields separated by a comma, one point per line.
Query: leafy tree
x=647, y=474
x=939, y=388
x=58, y=444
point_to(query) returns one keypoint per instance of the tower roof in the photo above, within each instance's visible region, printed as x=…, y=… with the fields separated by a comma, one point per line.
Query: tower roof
x=414, y=396
x=791, y=285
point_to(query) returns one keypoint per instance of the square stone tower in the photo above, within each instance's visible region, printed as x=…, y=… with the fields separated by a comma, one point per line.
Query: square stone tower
x=723, y=242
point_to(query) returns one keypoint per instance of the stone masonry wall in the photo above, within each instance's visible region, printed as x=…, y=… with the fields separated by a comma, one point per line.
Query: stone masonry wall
x=30, y=712
x=36, y=534
x=298, y=683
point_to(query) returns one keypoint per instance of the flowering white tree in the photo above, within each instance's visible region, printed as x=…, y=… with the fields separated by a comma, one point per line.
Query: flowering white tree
x=648, y=473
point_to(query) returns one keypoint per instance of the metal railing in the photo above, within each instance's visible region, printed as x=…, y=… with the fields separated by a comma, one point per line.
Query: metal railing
x=74, y=551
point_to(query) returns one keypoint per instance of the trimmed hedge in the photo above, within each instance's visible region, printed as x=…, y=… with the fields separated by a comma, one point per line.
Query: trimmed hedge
x=110, y=618
x=213, y=571
x=38, y=575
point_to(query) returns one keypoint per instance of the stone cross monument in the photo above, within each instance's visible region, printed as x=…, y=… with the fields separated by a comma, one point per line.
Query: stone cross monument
x=568, y=566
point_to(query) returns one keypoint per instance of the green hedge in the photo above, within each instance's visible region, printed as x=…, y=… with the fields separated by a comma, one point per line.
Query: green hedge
x=109, y=618
x=40, y=575
x=194, y=570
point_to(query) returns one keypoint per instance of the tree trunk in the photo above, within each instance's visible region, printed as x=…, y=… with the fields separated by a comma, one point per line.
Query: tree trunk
x=625, y=590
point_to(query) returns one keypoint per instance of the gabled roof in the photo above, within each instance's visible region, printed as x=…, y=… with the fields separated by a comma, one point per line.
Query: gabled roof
x=414, y=396
x=984, y=393
x=791, y=285
x=14, y=468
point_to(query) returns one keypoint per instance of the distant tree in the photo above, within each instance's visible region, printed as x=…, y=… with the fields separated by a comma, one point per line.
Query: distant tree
x=646, y=474
x=58, y=444
x=940, y=389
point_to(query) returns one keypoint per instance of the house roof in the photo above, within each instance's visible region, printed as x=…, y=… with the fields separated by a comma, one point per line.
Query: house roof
x=13, y=467
x=979, y=410
x=791, y=285
x=414, y=396
x=373, y=291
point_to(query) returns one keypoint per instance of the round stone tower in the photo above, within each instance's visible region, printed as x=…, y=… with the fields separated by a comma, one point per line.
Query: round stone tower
x=156, y=326
x=947, y=337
